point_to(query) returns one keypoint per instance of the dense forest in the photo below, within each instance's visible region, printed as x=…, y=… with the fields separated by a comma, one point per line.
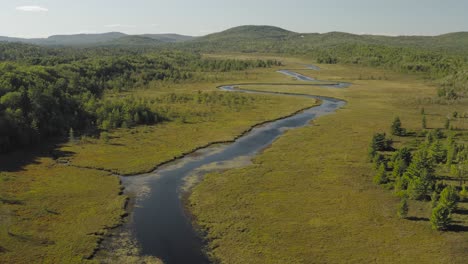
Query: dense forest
x=49, y=92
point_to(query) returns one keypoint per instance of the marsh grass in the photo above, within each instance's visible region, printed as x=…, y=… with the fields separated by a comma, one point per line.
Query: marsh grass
x=309, y=198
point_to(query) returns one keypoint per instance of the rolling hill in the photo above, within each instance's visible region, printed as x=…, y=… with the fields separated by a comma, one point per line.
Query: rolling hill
x=274, y=39
x=104, y=39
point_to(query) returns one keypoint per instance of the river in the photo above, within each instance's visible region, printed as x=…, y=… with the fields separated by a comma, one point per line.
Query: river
x=159, y=222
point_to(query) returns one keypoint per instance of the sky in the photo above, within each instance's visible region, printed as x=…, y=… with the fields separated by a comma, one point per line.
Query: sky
x=42, y=18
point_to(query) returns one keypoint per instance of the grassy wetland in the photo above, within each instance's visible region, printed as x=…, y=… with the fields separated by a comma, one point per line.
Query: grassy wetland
x=47, y=191
x=73, y=121
x=309, y=198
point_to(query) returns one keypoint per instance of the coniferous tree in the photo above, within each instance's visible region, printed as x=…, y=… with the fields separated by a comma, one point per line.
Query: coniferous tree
x=449, y=198
x=437, y=152
x=403, y=208
x=396, y=127
x=441, y=217
x=381, y=176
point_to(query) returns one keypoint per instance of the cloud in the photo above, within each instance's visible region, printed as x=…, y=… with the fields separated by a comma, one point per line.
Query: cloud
x=119, y=26
x=32, y=9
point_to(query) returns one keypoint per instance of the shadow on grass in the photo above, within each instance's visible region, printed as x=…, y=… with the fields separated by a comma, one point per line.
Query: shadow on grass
x=461, y=211
x=11, y=201
x=418, y=219
x=411, y=134
x=17, y=160
x=458, y=228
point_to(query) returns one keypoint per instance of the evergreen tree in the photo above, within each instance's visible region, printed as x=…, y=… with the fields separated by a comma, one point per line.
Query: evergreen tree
x=403, y=208
x=418, y=189
x=449, y=198
x=399, y=168
x=437, y=152
x=381, y=176
x=424, y=122
x=450, y=155
x=441, y=217
x=380, y=142
x=396, y=128
x=421, y=164
x=423, y=111
x=402, y=154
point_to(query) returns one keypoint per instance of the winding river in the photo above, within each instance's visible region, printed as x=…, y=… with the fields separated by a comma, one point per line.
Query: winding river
x=159, y=222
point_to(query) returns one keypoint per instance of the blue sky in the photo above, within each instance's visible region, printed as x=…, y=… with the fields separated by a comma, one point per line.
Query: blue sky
x=40, y=18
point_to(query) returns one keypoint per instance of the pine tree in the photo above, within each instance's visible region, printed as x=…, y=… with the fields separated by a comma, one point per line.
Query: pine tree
x=399, y=167
x=396, y=128
x=381, y=176
x=403, y=208
x=441, y=217
x=424, y=122
x=449, y=198
x=437, y=151
x=450, y=156
x=423, y=111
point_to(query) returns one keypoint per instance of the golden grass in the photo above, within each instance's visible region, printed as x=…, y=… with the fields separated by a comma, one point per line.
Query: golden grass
x=309, y=198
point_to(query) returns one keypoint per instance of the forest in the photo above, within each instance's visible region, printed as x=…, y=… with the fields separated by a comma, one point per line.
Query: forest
x=49, y=92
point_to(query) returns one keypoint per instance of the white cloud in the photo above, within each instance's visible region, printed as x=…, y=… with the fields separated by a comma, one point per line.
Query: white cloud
x=32, y=9
x=119, y=26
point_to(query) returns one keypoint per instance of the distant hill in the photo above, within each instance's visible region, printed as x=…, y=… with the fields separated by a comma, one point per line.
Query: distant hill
x=169, y=37
x=251, y=33
x=111, y=38
x=274, y=39
x=256, y=39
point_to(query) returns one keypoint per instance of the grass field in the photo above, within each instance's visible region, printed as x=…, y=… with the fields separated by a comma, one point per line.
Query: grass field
x=309, y=198
x=56, y=211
